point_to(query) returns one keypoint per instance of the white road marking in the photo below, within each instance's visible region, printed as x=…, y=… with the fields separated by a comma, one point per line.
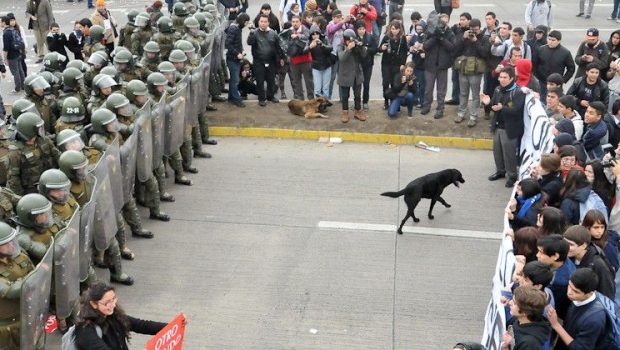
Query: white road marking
x=420, y=230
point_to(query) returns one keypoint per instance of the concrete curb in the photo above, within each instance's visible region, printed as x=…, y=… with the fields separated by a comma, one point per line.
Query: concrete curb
x=442, y=141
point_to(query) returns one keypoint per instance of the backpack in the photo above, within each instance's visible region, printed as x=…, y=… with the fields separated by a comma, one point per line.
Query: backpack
x=18, y=41
x=68, y=339
x=611, y=313
x=593, y=202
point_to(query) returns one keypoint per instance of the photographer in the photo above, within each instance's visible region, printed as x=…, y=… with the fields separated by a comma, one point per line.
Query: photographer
x=335, y=30
x=321, y=66
x=417, y=57
x=402, y=91
x=351, y=54
x=438, y=46
x=393, y=46
x=366, y=12
x=471, y=49
x=234, y=57
x=300, y=60
x=368, y=62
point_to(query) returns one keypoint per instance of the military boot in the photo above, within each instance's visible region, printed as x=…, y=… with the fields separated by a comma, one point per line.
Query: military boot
x=113, y=255
x=131, y=215
x=157, y=214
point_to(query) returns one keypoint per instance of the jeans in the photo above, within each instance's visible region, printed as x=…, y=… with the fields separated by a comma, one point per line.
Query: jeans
x=420, y=86
x=615, y=13
x=332, y=79
x=234, y=67
x=430, y=77
x=469, y=82
x=367, y=73
x=456, y=90
x=357, y=96
x=398, y=101
x=15, y=66
x=321, y=80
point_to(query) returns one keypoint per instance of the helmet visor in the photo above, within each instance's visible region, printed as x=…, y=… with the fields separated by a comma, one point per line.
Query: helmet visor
x=39, y=83
x=10, y=249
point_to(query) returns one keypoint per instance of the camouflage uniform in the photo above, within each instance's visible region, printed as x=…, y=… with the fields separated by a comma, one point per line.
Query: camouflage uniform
x=8, y=201
x=139, y=38
x=125, y=38
x=12, y=274
x=27, y=162
x=48, y=110
x=166, y=43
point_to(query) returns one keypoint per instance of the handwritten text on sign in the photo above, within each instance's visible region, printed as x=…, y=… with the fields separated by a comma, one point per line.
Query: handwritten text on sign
x=170, y=337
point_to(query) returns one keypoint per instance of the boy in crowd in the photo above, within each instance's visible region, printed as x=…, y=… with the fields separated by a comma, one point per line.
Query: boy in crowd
x=555, y=80
x=585, y=254
x=553, y=103
x=567, y=105
x=585, y=325
x=595, y=135
x=531, y=330
x=553, y=252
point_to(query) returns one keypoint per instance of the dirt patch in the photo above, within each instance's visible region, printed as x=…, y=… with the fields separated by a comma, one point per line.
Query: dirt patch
x=278, y=116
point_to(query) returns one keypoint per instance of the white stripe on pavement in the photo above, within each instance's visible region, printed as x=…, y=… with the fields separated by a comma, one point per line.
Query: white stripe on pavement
x=420, y=230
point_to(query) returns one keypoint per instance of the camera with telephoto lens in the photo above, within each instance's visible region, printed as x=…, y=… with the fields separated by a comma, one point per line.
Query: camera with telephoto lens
x=471, y=34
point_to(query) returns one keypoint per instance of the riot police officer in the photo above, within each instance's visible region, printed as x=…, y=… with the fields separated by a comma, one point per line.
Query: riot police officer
x=8, y=201
x=54, y=82
x=15, y=265
x=70, y=140
x=73, y=86
x=157, y=84
x=165, y=37
x=5, y=141
x=126, y=67
x=30, y=155
x=72, y=116
x=54, y=63
x=35, y=87
x=142, y=34
x=55, y=185
x=36, y=225
x=103, y=86
x=193, y=33
x=124, y=38
x=95, y=42
x=151, y=58
x=97, y=61
x=179, y=14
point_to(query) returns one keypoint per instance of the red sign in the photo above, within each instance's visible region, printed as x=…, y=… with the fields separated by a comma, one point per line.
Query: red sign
x=51, y=325
x=170, y=337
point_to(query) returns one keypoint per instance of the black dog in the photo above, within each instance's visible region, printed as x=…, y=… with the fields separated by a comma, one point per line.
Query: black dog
x=428, y=186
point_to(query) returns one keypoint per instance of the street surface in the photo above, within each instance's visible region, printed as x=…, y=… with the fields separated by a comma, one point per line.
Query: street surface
x=250, y=258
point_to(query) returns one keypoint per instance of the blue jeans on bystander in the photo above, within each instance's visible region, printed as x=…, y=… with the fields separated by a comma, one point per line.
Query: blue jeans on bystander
x=406, y=100
x=234, y=68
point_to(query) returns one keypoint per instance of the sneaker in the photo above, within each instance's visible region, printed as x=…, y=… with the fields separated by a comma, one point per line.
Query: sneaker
x=283, y=96
x=579, y=14
x=262, y=103
x=610, y=18
x=587, y=17
x=425, y=110
x=471, y=123
x=274, y=100
x=237, y=103
x=365, y=106
x=459, y=119
x=409, y=114
x=438, y=115
x=510, y=183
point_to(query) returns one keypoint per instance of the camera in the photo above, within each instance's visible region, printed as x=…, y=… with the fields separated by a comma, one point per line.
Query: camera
x=471, y=34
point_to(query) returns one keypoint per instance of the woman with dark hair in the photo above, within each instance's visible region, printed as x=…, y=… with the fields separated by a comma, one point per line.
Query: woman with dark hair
x=13, y=53
x=524, y=243
x=576, y=190
x=393, y=46
x=551, y=221
x=368, y=62
x=402, y=91
x=103, y=324
x=603, y=238
x=524, y=208
x=274, y=23
x=547, y=172
x=595, y=173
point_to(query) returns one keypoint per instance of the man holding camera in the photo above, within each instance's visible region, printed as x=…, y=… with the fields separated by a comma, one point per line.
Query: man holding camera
x=234, y=57
x=471, y=49
x=366, y=12
x=438, y=47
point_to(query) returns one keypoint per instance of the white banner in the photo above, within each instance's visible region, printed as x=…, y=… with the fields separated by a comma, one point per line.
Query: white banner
x=537, y=139
x=537, y=136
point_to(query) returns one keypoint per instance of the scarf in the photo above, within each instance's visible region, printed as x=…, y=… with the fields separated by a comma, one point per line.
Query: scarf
x=526, y=204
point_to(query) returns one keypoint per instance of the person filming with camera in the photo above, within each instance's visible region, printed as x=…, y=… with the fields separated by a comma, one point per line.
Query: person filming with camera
x=366, y=12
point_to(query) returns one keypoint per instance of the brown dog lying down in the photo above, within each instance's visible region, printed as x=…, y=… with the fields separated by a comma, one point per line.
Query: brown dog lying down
x=308, y=109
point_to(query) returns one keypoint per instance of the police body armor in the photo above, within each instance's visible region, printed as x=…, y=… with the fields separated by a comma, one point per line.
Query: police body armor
x=12, y=273
x=139, y=38
x=28, y=162
x=166, y=43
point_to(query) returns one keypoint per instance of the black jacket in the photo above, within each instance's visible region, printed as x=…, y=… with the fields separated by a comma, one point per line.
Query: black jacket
x=599, y=92
x=613, y=130
x=599, y=51
x=605, y=273
x=320, y=54
x=371, y=49
x=265, y=46
x=464, y=47
x=396, y=52
x=531, y=336
x=398, y=88
x=551, y=184
x=557, y=60
x=274, y=23
x=234, y=41
x=86, y=337
x=75, y=45
x=57, y=43
x=510, y=117
x=438, y=48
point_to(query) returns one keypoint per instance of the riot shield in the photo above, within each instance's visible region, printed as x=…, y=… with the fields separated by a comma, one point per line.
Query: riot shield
x=87, y=222
x=109, y=165
x=104, y=224
x=144, y=158
x=175, y=119
x=206, y=61
x=195, y=96
x=157, y=125
x=34, y=302
x=67, y=267
x=128, y=164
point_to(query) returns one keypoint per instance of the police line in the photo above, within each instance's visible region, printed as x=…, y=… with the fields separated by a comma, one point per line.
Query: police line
x=537, y=139
x=158, y=132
